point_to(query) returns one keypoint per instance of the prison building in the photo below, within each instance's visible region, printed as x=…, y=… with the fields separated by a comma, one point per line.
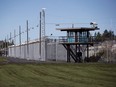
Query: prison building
x=73, y=47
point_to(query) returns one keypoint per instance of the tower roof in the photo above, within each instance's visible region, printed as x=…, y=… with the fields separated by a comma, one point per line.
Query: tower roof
x=78, y=29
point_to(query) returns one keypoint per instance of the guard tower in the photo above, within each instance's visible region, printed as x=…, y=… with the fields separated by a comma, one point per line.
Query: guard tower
x=75, y=39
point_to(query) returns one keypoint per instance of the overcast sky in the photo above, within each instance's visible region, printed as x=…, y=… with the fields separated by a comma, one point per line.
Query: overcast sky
x=15, y=12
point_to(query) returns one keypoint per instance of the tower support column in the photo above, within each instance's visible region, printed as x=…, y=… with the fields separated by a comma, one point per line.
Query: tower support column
x=68, y=53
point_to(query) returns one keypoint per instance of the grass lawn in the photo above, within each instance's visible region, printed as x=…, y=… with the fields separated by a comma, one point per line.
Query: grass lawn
x=58, y=75
x=2, y=59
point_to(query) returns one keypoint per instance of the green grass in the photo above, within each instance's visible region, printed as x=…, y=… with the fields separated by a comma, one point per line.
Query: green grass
x=58, y=75
x=2, y=59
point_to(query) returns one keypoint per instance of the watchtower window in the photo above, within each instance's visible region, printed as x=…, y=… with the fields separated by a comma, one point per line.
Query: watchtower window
x=71, y=37
x=83, y=36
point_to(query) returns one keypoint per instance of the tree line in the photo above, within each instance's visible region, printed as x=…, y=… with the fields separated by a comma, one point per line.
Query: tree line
x=106, y=35
x=5, y=44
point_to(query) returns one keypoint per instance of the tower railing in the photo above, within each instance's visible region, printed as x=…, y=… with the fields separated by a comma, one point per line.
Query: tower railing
x=73, y=39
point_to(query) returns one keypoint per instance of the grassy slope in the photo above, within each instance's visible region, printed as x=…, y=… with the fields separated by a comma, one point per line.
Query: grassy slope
x=58, y=75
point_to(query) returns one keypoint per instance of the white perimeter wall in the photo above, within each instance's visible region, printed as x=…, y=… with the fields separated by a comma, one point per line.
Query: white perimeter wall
x=56, y=52
x=53, y=51
x=21, y=51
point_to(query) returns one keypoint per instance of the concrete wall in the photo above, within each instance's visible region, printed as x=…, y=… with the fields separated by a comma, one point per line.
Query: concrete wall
x=21, y=51
x=53, y=51
x=56, y=52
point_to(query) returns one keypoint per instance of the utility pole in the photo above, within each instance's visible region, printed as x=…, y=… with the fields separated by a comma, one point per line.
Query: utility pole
x=7, y=43
x=10, y=38
x=43, y=41
x=14, y=43
x=20, y=38
x=4, y=47
x=42, y=45
x=27, y=39
x=40, y=37
x=43, y=22
x=10, y=44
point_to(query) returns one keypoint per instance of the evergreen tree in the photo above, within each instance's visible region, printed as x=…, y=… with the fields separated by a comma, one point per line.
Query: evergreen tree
x=108, y=35
x=98, y=37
